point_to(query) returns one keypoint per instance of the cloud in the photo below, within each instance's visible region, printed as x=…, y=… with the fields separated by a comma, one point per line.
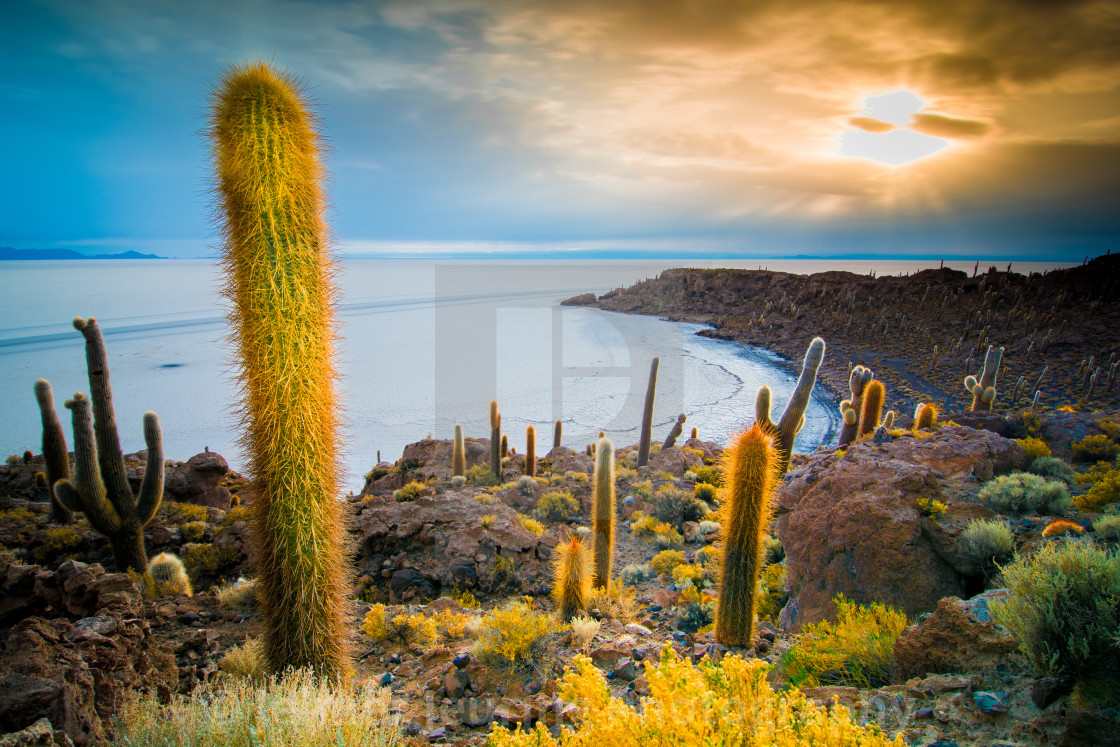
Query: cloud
x=870, y=124
x=942, y=125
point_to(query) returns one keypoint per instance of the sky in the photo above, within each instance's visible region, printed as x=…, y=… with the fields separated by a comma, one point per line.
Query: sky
x=953, y=128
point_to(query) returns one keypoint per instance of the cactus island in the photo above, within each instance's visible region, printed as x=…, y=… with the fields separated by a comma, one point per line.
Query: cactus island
x=949, y=577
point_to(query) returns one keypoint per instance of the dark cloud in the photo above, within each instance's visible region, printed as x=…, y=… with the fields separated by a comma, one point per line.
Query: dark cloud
x=870, y=124
x=942, y=125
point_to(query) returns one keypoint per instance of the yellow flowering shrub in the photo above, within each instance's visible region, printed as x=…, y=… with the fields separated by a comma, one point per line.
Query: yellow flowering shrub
x=1035, y=447
x=686, y=572
x=729, y=703
x=666, y=560
x=531, y=524
x=513, y=636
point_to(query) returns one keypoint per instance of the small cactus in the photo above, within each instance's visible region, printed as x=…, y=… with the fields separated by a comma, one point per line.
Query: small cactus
x=603, y=511
x=571, y=585
x=695, y=433
x=793, y=417
x=925, y=417
x=647, y=415
x=530, y=451
x=495, y=439
x=888, y=420
x=675, y=433
x=458, y=453
x=169, y=574
x=55, y=456
x=557, y=432
x=750, y=474
x=984, y=390
x=873, y=396
x=857, y=382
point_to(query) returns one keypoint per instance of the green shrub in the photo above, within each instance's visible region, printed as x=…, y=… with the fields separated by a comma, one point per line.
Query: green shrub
x=531, y=524
x=774, y=551
x=556, y=505
x=481, y=477
x=1107, y=527
x=673, y=506
x=527, y=486
x=1104, y=492
x=295, y=710
x=1053, y=467
x=987, y=542
x=771, y=592
x=246, y=660
x=193, y=531
x=710, y=475
x=704, y=492
x=854, y=651
x=634, y=573
x=1064, y=608
x=409, y=492
x=1022, y=493
x=458, y=481
x=1095, y=449
x=182, y=511
x=643, y=490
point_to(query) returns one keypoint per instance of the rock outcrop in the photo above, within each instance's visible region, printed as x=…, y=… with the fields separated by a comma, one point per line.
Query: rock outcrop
x=853, y=524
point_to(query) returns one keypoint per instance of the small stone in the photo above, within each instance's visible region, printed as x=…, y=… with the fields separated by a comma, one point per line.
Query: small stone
x=437, y=733
x=628, y=672
x=924, y=713
x=638, y=654
x=188, y=617
x=990, y=701
x=461, y=661
x=387, y=678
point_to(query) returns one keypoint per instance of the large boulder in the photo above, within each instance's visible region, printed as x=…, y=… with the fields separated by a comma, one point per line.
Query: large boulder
x=74, y=662
x=852, y=524
x=674, y=461
x=564, y=460
x=199, y=481
x=448, y=540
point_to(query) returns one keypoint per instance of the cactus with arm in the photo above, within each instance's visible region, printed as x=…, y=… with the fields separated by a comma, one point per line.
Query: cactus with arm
x=984, y=390
x=55, y=455
x=793, y=417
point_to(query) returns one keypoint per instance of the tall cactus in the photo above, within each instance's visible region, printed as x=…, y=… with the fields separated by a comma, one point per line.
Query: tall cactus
x=750, y=474
x=647, y=414
x=793, y=417
x=54, y=449
x=571, y=578
x=603, y=511
x=872, y=411
x=857, y=382
x=495, y=439
x=530, y=451
x=984, y=390
x=276, y=251
x=458, y=453
x=100, y=486
x=557, y=432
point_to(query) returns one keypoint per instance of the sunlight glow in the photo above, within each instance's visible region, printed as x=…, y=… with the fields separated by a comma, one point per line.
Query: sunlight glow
x=895, y=147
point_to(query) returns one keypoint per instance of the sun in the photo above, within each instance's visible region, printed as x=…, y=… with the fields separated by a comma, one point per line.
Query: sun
x=881, y=132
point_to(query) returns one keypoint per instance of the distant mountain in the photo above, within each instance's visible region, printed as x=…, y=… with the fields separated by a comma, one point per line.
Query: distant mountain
x=8, y=253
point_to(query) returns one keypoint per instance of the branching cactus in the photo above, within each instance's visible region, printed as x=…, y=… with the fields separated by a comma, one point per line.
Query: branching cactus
x=54, y=449
x=495, y=439
x=603, y=511
x=793, y=417
x=530, y=451
x=750, y=474
x=872, y=413
x=857, y=382
x=647, y=414
x=571, y=584
x=984, y=390
x=675, y=433
x=276, y=250
x=458, y=453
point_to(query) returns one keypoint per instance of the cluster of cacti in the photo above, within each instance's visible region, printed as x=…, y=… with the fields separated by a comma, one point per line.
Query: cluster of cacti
x=55, y=455
x=99, y=487
x=557, y=432
x=268, y=185
x=925, y=417
x=647, y=414
x=984, y=391
x=572, y=577
x=603, y=511
x=675, y=433
x=495, y=439
x=850, y=409
x=169, y=575
x=458, y=453
x=793, y=417
x=530, y=451
x=750, y=474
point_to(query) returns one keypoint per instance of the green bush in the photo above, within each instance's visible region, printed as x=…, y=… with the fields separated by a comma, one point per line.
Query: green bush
x=1053, y=467
x=634, y=573
x=987, y=542
x=556, y=505
x=1064, y=607
x=1095, y=449
x=1108, y=527
x=773, y=551
x=1023, y=493
x=710, y=475
x=481, y=477
x=675, y=507
x=1105, y=491
x=854, y=651
x=704, y=492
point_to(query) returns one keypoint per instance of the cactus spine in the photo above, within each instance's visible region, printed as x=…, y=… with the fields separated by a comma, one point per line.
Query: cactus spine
x=169, y=575
x=571, y=578
x=99, y=487
x=857, y=382
x=530, y=451
x=750, y=473
x=495, y=439
x=557, y=432
x=984, y=390
x=873, y=397
x=458, y=453
x=603, y=511
x=925, y=417
x=54, y=449
x=647, y=414
x=675, y=433
x=268, y=183
x=793, y=417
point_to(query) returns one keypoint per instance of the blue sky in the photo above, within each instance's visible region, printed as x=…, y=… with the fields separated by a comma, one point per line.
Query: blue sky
x=712, y=128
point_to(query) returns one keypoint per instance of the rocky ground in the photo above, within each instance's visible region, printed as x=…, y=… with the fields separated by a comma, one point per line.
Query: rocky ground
x=76, y=638
x=921, y=334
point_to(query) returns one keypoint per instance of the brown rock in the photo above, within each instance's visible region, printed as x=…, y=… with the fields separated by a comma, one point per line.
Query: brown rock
x=435, y=455
x=565, y=460
x=951, y=640
x=852, y=524
x=674, y=461
x=198, y=481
